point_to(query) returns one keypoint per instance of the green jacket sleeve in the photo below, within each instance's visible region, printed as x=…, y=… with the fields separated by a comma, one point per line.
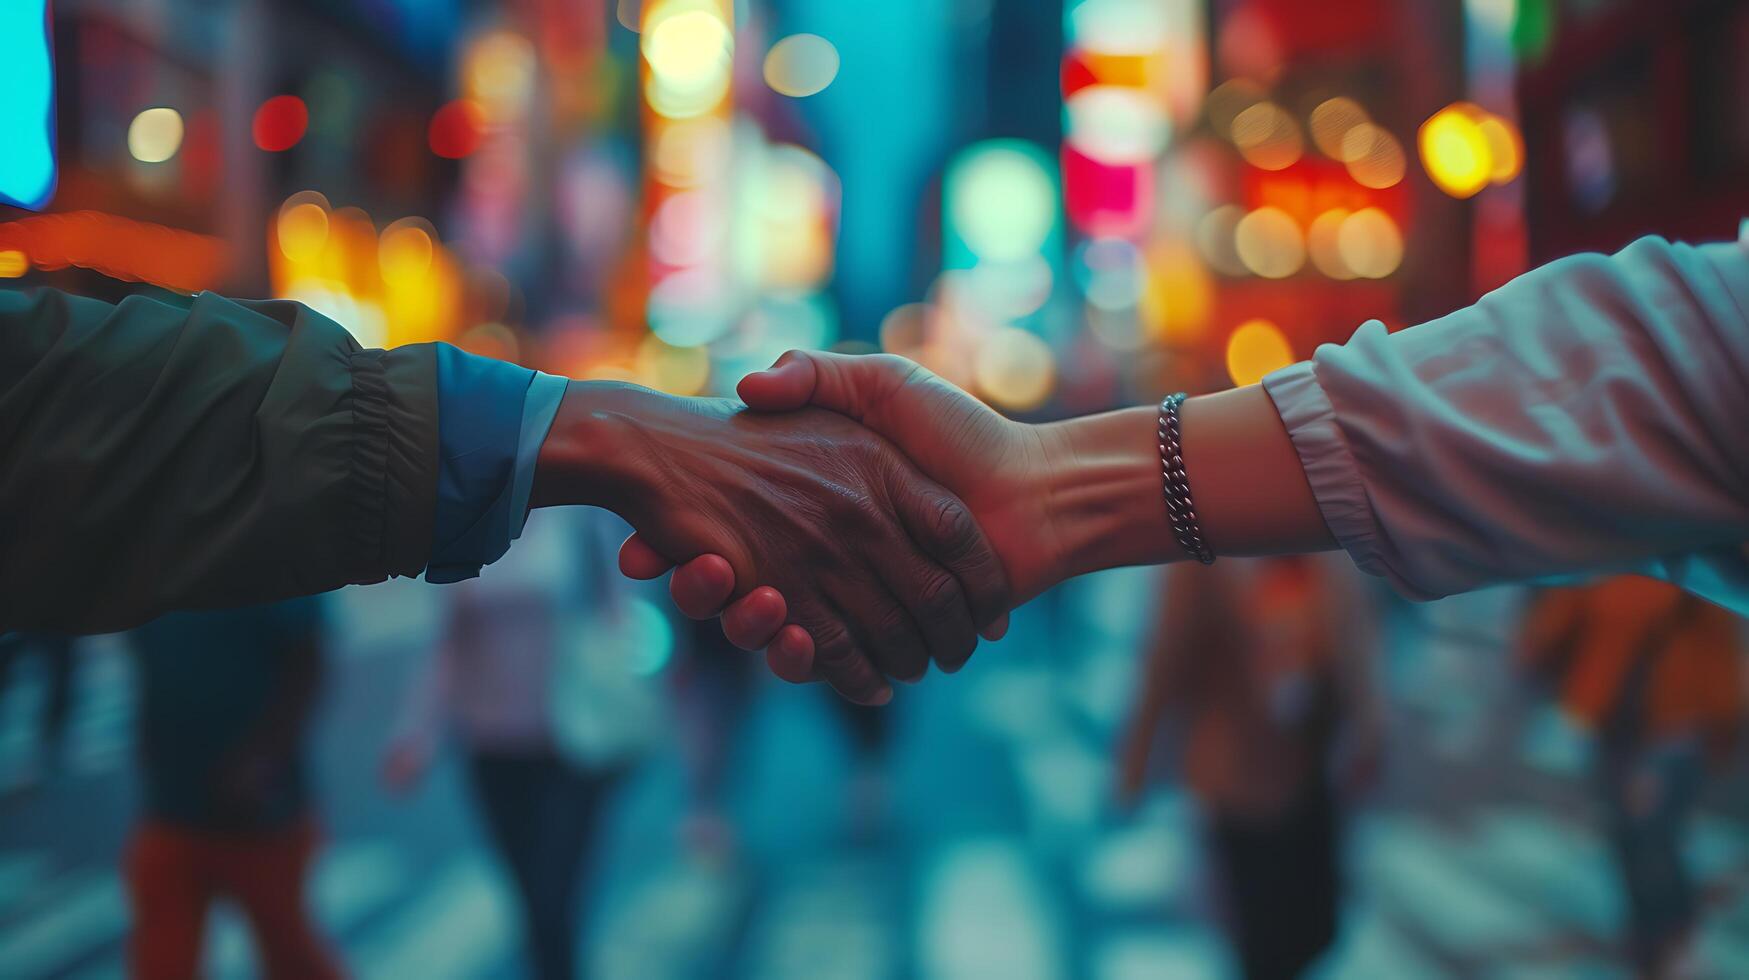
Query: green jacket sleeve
x=215, y=453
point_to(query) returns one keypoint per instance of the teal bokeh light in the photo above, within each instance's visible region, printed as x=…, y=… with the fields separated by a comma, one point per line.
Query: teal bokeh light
x=27, y=105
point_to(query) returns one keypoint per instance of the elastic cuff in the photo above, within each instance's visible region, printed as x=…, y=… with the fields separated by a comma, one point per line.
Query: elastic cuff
x=1310, y=418
x=369, y=468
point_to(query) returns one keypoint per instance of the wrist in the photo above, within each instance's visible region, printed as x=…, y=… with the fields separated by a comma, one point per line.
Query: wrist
x=589, y=456
x=1102, y=486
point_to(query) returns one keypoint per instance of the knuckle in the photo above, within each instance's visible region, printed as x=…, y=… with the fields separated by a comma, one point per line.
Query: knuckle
x=940, y=594
x=952, y=525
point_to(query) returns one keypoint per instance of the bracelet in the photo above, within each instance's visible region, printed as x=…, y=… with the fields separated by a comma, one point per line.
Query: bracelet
x=1178, y=503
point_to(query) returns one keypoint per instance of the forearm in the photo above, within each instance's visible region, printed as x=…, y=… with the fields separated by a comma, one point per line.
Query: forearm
x=1105, y=487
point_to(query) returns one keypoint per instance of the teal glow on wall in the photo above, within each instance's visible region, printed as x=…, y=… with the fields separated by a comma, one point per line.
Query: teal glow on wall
x=27, y=105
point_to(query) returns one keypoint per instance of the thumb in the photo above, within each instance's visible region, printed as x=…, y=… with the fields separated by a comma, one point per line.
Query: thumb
x=783, y=387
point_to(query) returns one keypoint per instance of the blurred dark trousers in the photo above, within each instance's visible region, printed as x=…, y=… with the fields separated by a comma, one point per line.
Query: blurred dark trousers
x=174, y=875
x=1283, y=882
x=540, y=811
x=1649, y=792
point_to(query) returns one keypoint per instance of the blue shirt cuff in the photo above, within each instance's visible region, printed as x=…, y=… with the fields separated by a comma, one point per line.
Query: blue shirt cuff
x=492, y=418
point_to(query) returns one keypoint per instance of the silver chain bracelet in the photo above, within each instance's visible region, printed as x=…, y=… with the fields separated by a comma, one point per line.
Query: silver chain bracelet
x=1178, y=503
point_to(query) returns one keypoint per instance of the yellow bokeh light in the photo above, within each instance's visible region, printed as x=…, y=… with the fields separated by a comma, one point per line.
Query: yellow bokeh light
x=1370, y=244
x=690, y=49
x=404, y=252
x=499, y=72
x=13, y=263
x=1505, y=149
x=1374, y=157
x=1323, y=244
x=1257, y=348
x=801, y=65
x=1455, y=150
x=303, y=230
x=1332, y=120
x=1179, y=296
x=676, y=370
x=1014, y=369
x=1269, y=242
x=689, y=46
x=155, y=135
x=1267, y=137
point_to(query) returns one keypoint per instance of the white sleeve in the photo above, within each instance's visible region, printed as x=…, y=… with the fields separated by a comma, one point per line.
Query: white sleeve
x=1590, y=416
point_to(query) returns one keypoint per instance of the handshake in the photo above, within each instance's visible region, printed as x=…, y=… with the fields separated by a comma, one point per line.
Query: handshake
x=858, y=519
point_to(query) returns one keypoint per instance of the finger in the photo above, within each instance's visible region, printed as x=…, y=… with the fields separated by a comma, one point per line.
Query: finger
x=934, y=601
x=943, y=528
x=703, y=586
x=785, y=386
x=752, y=622
x=637, y=559
x=891, y=636
x=997, y=630
x=840, y=661
x=791, y=655
x=856, y=385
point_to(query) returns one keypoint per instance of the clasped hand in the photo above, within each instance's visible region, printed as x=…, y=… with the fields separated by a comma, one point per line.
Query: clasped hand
x=867, y=566
x=858, y=520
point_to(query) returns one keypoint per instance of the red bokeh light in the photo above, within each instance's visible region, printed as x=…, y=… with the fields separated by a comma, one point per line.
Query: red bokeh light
x=280, y=123
x=456, y=129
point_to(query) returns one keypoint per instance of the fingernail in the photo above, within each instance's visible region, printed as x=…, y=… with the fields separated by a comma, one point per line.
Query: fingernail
x=883, y=696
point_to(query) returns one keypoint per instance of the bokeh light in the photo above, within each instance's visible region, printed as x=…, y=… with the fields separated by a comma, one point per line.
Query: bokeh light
x=155, y=134
x=1505, y=149
x=404, y=252
x=1116, y=124
x=1180, y=296
x=1373, y=156
x=1331, y=122
x=1015, y=369
x=1455, y=150
x=1255, y=349
x=1268, y=137
x=676, y=370
x=1217, y=239
x=498, y=74
x=1118, y=27
x=303, y=228
x=457, y=129
x=1269, y=243
x=1370, y=244
x=1323, y=244
x=280, y=123
x=1002, y=199
x=1228, y=100
x=690, y=50
x=801, y=65
x=13, y=263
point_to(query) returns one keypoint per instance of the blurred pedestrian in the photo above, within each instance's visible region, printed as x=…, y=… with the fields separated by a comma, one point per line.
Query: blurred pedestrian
x=543, y=676
x=55, y=654
x=1657, y=674
x=225, y=703
x=1260, y=678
